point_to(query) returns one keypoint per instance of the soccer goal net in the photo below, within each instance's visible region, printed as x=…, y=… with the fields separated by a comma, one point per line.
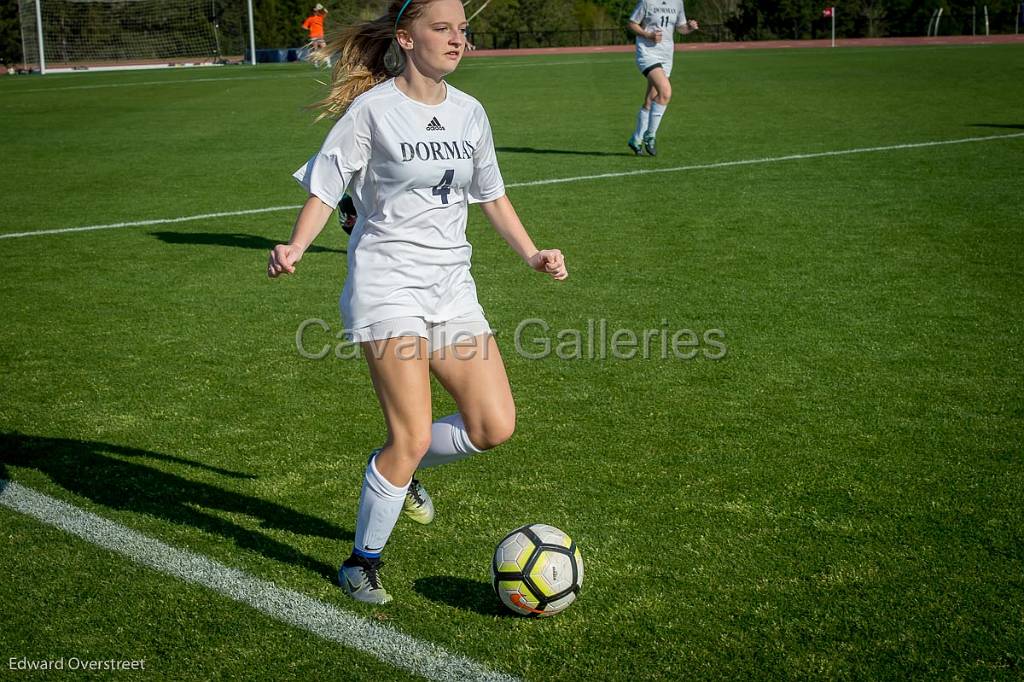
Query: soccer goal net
x=63, y=35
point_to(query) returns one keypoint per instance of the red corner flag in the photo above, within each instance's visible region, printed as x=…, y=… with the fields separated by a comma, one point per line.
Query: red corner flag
x=827, y=12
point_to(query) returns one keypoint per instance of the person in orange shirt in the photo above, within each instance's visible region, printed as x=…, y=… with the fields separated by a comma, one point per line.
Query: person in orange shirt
x=314, y=23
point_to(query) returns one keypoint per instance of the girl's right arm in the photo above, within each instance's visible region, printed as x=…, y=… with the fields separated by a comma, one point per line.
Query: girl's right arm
x=639, y=30
x=311, y=221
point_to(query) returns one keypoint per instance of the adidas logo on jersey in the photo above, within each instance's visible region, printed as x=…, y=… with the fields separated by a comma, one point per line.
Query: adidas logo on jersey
x=434, y=125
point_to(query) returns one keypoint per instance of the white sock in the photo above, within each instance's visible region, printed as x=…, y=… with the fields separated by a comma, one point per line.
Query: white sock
x=449, y=442
x=641, y=124
x=380, y=504
x=657, y=111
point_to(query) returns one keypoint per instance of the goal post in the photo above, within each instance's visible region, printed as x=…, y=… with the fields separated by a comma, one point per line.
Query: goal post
x=95, y=35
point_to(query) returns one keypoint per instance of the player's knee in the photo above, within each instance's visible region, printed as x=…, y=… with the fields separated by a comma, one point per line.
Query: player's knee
x=493, y=429
x=664, y=95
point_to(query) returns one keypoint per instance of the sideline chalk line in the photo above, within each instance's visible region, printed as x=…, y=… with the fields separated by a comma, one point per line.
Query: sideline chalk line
x=551, y=181
x=322, y=619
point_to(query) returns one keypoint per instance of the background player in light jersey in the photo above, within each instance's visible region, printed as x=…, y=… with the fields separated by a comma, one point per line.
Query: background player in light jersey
x=654, y=23
x=413, y=152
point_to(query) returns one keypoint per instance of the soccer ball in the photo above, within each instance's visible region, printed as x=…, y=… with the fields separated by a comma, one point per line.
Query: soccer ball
x=537, y=570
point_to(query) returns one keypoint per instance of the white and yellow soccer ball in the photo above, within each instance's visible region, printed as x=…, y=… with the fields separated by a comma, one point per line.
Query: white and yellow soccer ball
x=537, y=570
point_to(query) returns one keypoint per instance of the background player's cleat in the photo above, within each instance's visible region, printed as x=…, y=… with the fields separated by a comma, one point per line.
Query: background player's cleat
x=635, y=145
x=649, y=145
x=418, y=506
x=360, y=578
x=347, y=214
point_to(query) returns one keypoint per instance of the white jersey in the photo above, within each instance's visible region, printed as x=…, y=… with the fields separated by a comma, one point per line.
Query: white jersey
x=411, y=169
x=666, y=15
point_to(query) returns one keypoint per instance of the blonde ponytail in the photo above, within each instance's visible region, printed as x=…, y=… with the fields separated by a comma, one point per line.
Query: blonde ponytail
x=358, y=53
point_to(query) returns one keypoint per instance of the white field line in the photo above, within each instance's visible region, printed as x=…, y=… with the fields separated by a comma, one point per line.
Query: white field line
x=143, y=223
x=177, y=81
x=322, y=619
x=772, y=159
x=556, y=181
x=312, y=75
x=626, y=56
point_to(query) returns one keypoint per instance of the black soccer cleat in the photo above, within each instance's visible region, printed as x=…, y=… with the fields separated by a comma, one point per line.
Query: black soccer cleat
x=649, y=145
x=636, y=146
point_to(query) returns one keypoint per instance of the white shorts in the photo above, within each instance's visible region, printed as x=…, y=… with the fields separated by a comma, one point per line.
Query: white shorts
x=647, y=65
x=438, y=334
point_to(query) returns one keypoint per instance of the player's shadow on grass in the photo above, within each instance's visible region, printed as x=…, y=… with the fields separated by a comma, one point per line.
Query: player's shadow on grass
x=571, y=152
x=99, y=472
x=1014, y=126
x=230, y=239
x=461, y=593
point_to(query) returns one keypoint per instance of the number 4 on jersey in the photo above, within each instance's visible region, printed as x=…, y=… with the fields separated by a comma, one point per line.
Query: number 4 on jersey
x=444, y=188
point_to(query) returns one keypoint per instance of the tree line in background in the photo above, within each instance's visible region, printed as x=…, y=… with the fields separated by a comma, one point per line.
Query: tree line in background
x=10, y=33
x=510, y=23
x=278, y=20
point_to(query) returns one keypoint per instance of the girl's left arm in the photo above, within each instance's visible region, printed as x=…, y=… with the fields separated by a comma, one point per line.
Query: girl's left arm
x=506, y=222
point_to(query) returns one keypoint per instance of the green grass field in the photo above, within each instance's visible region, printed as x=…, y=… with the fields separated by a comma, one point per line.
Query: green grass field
x=839, y=497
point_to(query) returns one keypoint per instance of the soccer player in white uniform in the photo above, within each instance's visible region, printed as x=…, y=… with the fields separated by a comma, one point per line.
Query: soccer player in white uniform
x=413, y=152
x=654, y=22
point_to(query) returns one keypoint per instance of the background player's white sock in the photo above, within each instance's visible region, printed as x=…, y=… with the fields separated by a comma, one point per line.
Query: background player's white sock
x=449, y=442
x=380, y=504
x=641, y=124
x=657, y=111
